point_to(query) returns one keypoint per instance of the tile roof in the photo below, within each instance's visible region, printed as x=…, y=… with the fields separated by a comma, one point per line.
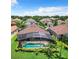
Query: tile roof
x=13, y=23
x=60, y=29
x=30, y=21
x=53, y=19
x=13, y=28
x=33, y=31
x=61, y=22
x=32, y=28
x=46, y=20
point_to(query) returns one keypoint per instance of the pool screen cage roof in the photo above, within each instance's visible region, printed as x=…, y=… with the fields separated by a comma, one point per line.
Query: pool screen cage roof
x=34, y=35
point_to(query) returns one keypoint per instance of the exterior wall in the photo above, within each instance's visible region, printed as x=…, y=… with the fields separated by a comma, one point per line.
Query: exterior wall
x=61, y=36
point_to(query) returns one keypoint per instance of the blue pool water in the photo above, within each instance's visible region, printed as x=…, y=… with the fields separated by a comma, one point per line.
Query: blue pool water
x=33, y=45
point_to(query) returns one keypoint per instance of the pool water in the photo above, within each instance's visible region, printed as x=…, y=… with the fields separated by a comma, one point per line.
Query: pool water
x=33, y=45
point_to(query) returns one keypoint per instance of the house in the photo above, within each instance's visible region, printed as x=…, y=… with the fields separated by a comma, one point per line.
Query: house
x=60, y=22
x=33, y=34
x=14, y=28
x=30, y=22
x=47, y=21
x=54, y=19
x=16, y=19
x=59, y=30
x=66, y=21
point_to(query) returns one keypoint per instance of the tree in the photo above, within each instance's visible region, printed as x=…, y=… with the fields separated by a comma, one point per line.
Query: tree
x=42, y=25
x=14, y=17
x=48, y=53
x=63, y=18
x=37, y=18
x=46, y=16
x=65, y=39
x=51, y=52
x=27, y=17
x=20, y=24
x=55, y=23
x=59, y=46
x=56, y=16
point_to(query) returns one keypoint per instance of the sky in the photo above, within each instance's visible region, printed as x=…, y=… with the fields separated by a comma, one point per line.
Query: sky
x=39, y=7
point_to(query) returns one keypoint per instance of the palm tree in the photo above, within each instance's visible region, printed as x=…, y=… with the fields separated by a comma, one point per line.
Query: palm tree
x=51, y=52
x=60, y=46
x=48, y=53
x=20, y=24
x=55, y=23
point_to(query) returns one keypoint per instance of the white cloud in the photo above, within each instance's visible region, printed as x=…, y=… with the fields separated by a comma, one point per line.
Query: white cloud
x=44, y=11
x=13, y=2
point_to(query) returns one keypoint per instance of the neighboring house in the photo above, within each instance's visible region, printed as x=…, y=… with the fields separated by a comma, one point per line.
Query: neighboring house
x=16, y=19
x=13, y=27
x=66, y=21
x=59, y=30
x=33, y=34
x=30, y=22
x=60, y=22
x=54, y=19
x=47, y=21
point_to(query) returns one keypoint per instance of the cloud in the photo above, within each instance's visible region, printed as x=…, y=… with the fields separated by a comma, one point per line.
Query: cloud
x=13, y=2
x=47, y=11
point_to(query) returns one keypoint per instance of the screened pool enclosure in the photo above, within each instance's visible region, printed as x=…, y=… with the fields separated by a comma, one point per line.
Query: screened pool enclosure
x=34, y=36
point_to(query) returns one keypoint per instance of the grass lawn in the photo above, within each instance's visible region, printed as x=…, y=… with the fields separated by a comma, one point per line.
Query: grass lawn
x=23, y=55
x=26, y=55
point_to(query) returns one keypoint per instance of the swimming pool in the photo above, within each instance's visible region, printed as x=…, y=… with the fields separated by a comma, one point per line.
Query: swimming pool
x=33, y=45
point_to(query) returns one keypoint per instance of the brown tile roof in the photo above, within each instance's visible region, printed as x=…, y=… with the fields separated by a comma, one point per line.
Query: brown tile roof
x=60, y=29
x=13, y=28
x=61, y=22
x=13, y=23
x=32, y=28
x=46, y=20
x=33, y=31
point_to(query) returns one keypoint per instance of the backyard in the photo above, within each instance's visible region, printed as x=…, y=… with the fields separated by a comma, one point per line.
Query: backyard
x=29, y=55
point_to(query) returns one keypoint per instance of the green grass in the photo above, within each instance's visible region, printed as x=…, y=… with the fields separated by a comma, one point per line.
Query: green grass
x=23, y=55
x=27, y=55
x=64, y=53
